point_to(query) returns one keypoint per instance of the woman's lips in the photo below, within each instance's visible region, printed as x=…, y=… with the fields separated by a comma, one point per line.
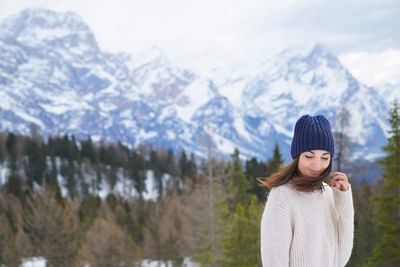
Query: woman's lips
x=314, y=173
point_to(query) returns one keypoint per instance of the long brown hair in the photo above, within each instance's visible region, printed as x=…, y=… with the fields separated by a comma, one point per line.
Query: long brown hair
x=291, y=174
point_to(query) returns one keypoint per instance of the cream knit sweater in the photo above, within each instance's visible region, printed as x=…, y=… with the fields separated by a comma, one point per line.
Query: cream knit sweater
x=301, y=229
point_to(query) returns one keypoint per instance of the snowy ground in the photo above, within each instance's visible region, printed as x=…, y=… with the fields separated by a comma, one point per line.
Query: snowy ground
x=41, y=262
x=33, y=262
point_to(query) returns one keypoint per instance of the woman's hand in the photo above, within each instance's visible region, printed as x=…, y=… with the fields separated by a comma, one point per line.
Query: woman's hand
x=339, y=180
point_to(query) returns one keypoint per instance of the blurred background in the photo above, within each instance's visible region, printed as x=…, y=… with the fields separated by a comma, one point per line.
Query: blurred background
x=132, y=132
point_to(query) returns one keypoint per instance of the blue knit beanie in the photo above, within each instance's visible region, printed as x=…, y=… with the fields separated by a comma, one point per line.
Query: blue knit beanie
x=312, y=133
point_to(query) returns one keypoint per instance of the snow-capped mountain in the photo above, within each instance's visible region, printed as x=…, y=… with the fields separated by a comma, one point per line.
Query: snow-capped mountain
x=390, y=92
x=308, y=81
x=54, y=74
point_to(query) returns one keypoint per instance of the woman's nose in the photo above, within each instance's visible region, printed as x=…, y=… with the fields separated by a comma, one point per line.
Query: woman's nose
x=316, y=166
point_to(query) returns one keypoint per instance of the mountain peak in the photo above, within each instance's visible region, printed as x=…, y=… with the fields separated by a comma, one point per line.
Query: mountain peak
x=45, y=18
x=302, y=52
x=311, y=57
x=152, y=55
x=319, y=51
x=39, y=25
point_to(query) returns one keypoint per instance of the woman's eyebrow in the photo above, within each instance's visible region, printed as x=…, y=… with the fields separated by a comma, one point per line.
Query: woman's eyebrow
x=326, y=153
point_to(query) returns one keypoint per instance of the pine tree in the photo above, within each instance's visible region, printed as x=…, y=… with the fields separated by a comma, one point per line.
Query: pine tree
x=187, y=169
x=273, y=165
x=69, y=149
x=88, y=150
x=157, y=172
x=68, y=171
x=387, y=204
x=210, y=209
x=36, y=162
x=137, y=173
x=239, y=186
x=132, y=223
x=88, y=211
x=366, y=236
x=14, y=184
x=183, y=165
x=241, y=244
x=276, y=162
x=255, y=169
x=51, y=180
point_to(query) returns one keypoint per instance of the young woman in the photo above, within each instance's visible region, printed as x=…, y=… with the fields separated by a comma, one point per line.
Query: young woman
x=306, y=222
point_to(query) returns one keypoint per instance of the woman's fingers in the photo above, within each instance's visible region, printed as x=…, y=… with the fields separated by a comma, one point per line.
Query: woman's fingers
x=339, y=180
x=340, y=177
x=341, y=185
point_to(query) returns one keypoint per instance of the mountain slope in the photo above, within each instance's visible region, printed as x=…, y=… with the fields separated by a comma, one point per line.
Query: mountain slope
x=53, y=74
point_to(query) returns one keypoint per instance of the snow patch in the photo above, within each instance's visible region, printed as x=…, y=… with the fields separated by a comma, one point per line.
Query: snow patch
x=193, y=97
x=33, y=262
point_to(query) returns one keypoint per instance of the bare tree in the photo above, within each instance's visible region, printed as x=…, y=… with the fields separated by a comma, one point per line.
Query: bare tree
x=51, y=229
x=342, y=140
x=34, y=130
x=12, y=246
x=106, y=244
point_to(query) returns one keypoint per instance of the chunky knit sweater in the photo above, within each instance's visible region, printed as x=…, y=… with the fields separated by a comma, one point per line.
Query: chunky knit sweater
x=307, y=229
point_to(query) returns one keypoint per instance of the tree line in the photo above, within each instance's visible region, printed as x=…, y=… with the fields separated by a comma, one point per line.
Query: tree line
x=51, y=206
x=209, y=210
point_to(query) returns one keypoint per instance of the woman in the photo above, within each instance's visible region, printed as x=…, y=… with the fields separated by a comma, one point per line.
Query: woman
x=306, y=222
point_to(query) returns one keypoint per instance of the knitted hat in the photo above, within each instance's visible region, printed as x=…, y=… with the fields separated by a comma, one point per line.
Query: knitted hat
x=312, y=133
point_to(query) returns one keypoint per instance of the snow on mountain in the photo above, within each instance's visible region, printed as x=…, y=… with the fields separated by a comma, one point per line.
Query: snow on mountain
x=313, y=81
x=43, y=28
x=390, y=92
x=54, y=74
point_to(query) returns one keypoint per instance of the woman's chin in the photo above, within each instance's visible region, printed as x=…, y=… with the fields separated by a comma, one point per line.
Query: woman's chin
x=311, y=176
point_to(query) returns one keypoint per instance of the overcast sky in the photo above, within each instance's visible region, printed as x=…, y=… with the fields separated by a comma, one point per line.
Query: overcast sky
x=217, y=33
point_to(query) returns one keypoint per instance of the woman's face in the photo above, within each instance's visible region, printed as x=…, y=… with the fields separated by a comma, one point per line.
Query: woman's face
x=312, y=163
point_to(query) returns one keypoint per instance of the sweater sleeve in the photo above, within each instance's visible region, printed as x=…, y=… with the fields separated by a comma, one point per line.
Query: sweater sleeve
x=345, y=213
x=276, y=230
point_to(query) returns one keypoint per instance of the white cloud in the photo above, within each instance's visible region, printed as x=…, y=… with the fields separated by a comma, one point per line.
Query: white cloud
x=209, y=33
x=374, y=68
